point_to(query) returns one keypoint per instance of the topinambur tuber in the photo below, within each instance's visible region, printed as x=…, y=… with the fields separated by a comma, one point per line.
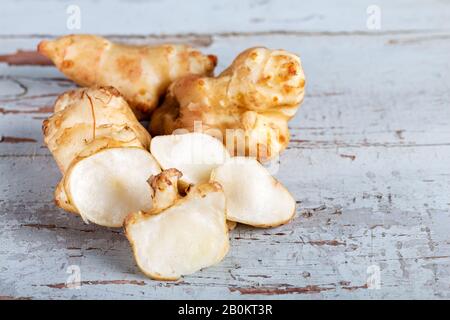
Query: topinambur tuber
x=248, y=105
x=102, y=151
x=141, y=73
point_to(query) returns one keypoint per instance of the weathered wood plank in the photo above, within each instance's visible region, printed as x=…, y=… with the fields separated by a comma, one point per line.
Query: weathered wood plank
x=355, y=222
x=205, y=16
x=368, y=165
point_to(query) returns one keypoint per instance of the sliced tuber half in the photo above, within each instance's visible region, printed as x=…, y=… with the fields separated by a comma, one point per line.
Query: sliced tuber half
x=253, y=196
x=108, y=185
x=189, y=235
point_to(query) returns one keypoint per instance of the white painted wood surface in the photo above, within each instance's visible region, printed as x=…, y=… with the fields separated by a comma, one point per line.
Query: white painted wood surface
x=368, y=162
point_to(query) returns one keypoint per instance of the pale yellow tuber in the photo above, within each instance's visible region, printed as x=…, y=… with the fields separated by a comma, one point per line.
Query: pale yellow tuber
x=141, y=73
x=102, y=151
x=248, y=105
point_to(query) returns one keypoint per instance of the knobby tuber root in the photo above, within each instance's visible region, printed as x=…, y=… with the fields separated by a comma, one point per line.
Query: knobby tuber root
x=165, y=189
x=94, y=118
x=102, y=152
x=141, y=73
x=248, y=105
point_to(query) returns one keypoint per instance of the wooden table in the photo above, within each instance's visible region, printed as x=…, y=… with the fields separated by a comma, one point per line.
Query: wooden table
x=369, y=160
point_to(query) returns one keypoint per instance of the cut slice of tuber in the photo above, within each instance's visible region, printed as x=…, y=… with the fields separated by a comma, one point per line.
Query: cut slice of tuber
x=190, y=235
x=108, y=185
x=194, y=154
x=253, y=196
x=61, y=199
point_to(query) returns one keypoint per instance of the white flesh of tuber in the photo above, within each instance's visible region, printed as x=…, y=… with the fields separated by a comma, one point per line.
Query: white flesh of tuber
x=253, y=196
x=194, y=154
x=107, y=186
x=102, y=152
x=182, y=239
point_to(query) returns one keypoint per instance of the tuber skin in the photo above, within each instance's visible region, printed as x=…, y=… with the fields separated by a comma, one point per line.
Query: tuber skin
x=89, y=119
x=86, y=121
x=141, y=73
x=165, y=189
x=255, y=97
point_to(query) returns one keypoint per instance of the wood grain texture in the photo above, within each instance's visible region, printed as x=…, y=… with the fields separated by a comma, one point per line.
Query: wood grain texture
x=368, y=162
x=140, y=17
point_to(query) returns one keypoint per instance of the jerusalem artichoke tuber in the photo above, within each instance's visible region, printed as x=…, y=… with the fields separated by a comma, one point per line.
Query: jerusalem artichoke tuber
x=141, y=73
x=102, y=151
x=248, y=105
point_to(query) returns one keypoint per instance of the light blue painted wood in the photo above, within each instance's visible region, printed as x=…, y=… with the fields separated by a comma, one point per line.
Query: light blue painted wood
x=368, y=163
x=216, y=16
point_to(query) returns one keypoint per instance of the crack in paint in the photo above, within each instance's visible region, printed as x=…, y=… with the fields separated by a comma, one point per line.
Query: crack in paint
x=95, y=283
